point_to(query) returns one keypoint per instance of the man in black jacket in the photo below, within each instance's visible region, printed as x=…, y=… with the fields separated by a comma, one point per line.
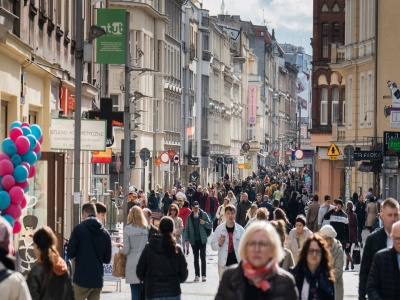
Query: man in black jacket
x=339, y=221
x=378, y=240
x=384, y=277
x=90, y=245
x=242, y=209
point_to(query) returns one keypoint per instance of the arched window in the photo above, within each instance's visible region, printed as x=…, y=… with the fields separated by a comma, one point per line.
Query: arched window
x=336, y=33
x=325, y=40
x=336, y=8
x=325, y=8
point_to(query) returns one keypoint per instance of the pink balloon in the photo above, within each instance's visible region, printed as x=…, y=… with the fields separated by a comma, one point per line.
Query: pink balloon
x=8, y=182
x=16, y=194
x=32, y=172
x=15, y=133
x=17, y=227
x=27, y=166
x=22, y=143
x=23, y=184
x=4, y=156
x=41, y=140
x=23, y=203
x=14, y=210
x=6, y=167
x=37, y=148
x=25, y=124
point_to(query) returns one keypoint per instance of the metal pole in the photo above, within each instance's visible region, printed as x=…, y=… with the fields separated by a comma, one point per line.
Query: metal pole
x=78, y=109
x=127, y=121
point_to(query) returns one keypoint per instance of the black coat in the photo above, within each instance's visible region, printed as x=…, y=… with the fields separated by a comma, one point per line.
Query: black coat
x=162, y=274
x=233, y=285
x=375, y=242
x=152, y=202
x=242, y=209
x=383, y=279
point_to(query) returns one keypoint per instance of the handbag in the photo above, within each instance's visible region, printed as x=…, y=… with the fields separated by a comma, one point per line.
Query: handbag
x=356, y=255
x=119, y=265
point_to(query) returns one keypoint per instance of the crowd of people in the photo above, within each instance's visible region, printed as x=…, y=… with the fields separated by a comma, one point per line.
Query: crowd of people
x=274, y=241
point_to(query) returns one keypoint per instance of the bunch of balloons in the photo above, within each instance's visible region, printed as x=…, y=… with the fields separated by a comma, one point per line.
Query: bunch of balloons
x=19, y=154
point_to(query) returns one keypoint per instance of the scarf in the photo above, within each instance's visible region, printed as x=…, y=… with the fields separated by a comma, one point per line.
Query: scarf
x=260, y=277
x=319, y=282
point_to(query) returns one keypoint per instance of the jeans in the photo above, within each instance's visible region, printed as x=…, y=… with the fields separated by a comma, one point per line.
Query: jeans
x=165, y=298
x=183, y=242
x=135, y=291
x=196, y=248
x=212, y=216
x=359, y=230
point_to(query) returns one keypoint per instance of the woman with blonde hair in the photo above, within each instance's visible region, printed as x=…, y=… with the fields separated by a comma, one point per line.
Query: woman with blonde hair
x=220, y=215
x=173, y=212
x=135, y=239
x=258, y=275
x=251, y=215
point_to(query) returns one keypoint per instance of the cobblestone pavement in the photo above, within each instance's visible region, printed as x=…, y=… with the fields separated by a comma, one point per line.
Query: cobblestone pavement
x=207, y=290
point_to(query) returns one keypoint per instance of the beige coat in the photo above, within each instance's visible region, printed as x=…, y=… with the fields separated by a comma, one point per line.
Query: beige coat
x=293, y=244
x=338, y=261
x=372, y=212
x=312, y=216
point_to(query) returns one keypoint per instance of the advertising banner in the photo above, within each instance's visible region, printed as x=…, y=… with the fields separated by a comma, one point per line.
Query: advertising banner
x=110, y=48
x=252, y=104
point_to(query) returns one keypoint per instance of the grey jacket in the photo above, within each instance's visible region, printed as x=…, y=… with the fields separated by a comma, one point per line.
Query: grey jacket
x=135, y=239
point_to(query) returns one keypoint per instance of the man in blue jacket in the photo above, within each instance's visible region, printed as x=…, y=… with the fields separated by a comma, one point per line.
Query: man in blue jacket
x=90, y=245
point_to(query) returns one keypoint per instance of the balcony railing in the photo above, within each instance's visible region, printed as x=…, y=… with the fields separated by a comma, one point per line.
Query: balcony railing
x=206, y=55
x=338, y=54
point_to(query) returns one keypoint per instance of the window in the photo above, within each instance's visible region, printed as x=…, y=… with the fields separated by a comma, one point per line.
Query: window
x=325, y=8
x=336, y=33
x=362, y=93
x=324, y=106
x=335, y=105
x=3, y=120
x=369, y=100
x=370, y=15
x=336, y=8
x=115, y=102
x=350, y=102
x=262, y=33
x=343, y=106
x=325, y=40
x=32, y=117
x=362, y=19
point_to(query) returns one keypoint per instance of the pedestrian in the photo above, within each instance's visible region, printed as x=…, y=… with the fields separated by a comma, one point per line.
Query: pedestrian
x=232, y=198
x=184, y=212
x=189, y=193
x=372, y=212
x=196, y=236
x=378, y=240
x=226, y=240
x=242, y=209
x=312, y=214
x=323, y=209
x=279, y=214
x=383, y=279
x=361, y=211
x=90, y=245
x=211, y=206
x=258, y=275
x=329, y=234
x=262, y=214
x=288, y=262
x=151, y=229
x=12, y=283
x=135, y=239
x=220, y=215
x=352, y=234
x=152, y=201
x=297, y=237
x=101, y=213
x=251, y=215
x=173, y=212
x=132, y=199
x=49, y=278
x=313, y=272
x=339, y=220
x=162, y=265
x=166, y=202
x=265, y=203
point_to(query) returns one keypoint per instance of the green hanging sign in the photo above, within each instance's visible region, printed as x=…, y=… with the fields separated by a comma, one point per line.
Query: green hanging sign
x=110, y=48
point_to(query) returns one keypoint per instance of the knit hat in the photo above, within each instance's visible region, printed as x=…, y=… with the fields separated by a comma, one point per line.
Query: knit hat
x=5, y=236
x=328, y=230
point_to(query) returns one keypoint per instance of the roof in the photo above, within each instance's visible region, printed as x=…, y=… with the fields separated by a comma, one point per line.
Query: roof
x=370, y=166
x=257, y=32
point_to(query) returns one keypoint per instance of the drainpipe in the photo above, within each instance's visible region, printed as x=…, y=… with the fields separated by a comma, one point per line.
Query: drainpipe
x=376, y=104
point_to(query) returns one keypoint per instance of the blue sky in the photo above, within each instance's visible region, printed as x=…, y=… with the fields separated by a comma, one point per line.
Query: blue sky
x=291, y=19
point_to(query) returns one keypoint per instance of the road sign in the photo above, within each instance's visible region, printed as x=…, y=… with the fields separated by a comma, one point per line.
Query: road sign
x=164, y=157
x=333, y=157
x=298, y=163
x=220, y=160
x=228, y=160
x=193, y=161
x=349, y=153
x=144, y=154
x=333, y=150
x=177, y=158
x=247, y=165
x=367, y=155
x=298, y=154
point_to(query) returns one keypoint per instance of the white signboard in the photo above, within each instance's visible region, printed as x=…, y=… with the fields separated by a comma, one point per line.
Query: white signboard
x=240, y=160
x=109, y=267
x=93, y=134
x=298, y=163
x=234, y=151
x=164, y=167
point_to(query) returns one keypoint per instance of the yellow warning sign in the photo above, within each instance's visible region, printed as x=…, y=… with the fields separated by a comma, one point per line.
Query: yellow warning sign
x=333, y=150
x=332, y=157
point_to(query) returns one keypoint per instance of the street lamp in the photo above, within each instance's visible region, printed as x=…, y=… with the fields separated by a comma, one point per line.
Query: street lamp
x=95, y=32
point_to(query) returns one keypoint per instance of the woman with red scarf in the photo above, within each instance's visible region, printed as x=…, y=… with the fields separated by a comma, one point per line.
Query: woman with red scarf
x=258, y=275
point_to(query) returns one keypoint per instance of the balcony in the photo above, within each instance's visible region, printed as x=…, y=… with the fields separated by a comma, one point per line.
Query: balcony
x=338, y=54
x=192, y=52
x=206, y=55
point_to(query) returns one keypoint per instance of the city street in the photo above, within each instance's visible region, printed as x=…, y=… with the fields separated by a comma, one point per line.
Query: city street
x=207, y=290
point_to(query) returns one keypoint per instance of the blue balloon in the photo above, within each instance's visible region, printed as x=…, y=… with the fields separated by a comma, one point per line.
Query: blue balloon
x=15, y=124
x=1, y=186
x=20, y=173
x=16, y=160
x=8, y=147
x=4, y=200
x=36, y=131
x=26, y=130
x=9, y=219
x=29, y=157
x=27, y=189
x=39, y=155
x=32, y=141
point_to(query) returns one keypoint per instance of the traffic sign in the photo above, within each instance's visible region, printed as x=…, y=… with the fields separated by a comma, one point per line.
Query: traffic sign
x=220, y=160
x=333, y=150
x=228, y=160
x=177, y=158
x=144, y=154
x=298, y=154
x=164, y=157
x=333, y=157
x=193, y=161
x=349, y=153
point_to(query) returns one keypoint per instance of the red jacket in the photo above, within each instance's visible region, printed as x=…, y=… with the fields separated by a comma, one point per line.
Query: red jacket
x=216, y=204
x=184, y=212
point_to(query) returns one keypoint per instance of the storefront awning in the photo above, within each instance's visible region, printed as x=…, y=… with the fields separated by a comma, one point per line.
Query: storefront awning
x=367, y=166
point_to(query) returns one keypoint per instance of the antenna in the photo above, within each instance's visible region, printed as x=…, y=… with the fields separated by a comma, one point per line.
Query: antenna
x=223, y=7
